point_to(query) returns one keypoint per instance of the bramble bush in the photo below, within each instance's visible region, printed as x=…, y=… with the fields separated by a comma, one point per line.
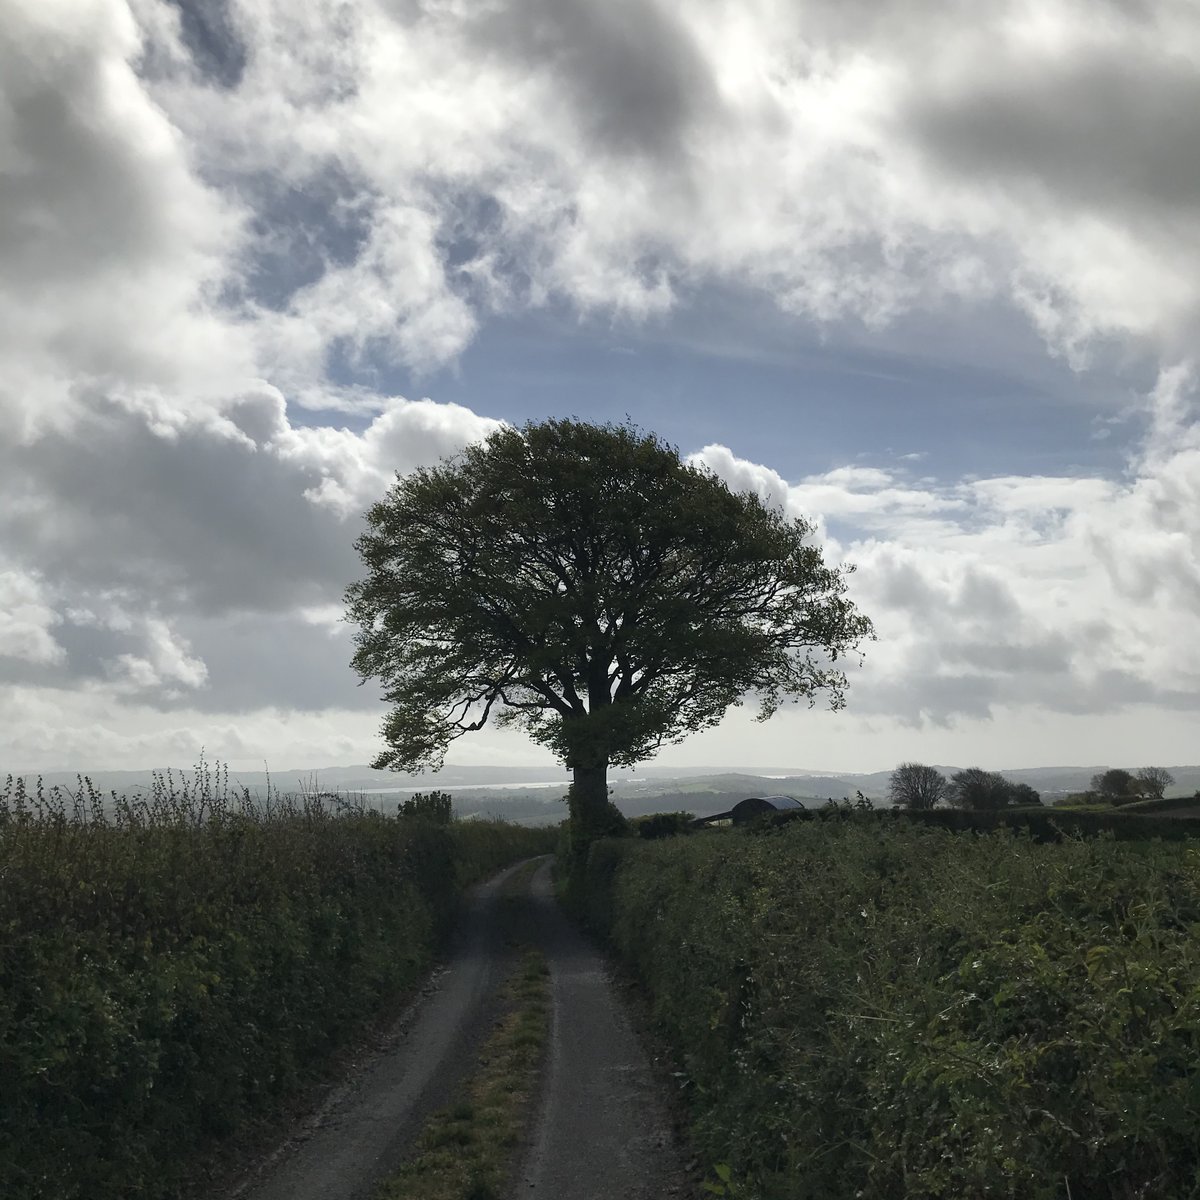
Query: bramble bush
x=174, y=965
x=875, y=1008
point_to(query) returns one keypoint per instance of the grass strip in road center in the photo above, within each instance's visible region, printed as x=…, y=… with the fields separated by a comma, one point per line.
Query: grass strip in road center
x=467, y=1151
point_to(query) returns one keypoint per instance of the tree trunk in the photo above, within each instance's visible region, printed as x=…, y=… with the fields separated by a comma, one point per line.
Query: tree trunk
x=589, y=799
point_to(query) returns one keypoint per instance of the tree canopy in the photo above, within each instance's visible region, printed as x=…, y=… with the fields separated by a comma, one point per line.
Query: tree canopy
x=979, y=789
x=1154, y=781
x=1116, y=785
x=1023, y=794
x=583, y=583
x=914, y=785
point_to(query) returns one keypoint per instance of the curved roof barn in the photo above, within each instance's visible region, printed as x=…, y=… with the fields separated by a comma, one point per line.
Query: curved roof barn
x=755, y=806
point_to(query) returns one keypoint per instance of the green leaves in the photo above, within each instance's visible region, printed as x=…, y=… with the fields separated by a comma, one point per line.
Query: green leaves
x=867, y=1008
x=163, y=980
x=585, y=582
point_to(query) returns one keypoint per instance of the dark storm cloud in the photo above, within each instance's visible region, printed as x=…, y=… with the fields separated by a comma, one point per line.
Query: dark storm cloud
x=195, y=522
x=636, y=80
x=254, y=664
x=1117, y=130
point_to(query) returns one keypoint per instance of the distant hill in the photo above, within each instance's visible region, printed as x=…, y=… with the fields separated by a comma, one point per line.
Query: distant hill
x=513, y=792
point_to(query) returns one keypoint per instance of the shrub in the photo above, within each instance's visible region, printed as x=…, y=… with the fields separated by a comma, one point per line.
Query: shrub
x=665, y=824
x=174, y=965
x=874, y=1008
x=436, y=807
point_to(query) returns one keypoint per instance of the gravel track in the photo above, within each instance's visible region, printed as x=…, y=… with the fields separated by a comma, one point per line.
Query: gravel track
x=364, y=1131
x=601, y=1129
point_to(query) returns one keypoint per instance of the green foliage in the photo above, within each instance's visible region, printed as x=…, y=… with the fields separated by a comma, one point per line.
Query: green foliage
x=1176, y=804
x=867, y=1007
x=592, y=588
x=1090, y=800
x=914, y=785
x=1152, y=782
x=589, y=893
x=173, y=965
x=587, y=826
x=981, y=790
x=435, y=807
x=664, y=824
x=1055, y=824
x=1022, y=795
x=1116, y=785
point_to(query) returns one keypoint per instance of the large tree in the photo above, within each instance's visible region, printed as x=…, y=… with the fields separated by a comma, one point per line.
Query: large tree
x=914, y=785
x=1154, y=781
x=1116, y=785
x=979, y=789
x=584, y=584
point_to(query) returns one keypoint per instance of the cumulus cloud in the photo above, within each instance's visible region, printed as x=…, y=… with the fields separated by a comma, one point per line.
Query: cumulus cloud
x=847, y=159
x=215, y=193
x=112, y=246
x=248, y=189
x=1072, y=594
x=213, y=214
x=27, y=620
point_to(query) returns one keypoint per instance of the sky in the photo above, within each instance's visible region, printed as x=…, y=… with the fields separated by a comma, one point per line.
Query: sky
x=924, y=273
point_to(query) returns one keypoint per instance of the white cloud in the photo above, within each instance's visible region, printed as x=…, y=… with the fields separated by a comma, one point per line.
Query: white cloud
x=1074, y=594
x=186, y=214
x=112, y=248
x=356, y=469
x=196, y=229
x=167, y=662
x=203, y=558
x=497, y=154
x=27, y=621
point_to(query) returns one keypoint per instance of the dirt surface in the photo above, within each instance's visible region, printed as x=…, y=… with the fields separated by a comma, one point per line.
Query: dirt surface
x=603, y=1130
x=600, y=1130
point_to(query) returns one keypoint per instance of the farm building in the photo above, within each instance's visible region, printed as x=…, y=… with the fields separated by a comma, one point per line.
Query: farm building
x=755, y=806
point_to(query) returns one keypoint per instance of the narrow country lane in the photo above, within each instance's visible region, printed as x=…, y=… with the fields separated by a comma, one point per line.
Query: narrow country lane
x=366, y=1130
x=603, y=1131
x=600, y=1129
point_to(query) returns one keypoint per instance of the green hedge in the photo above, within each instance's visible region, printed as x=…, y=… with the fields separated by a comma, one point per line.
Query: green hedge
x=1043, y=824
x=875, y=1009
x=1175, y=804
x=167, y=977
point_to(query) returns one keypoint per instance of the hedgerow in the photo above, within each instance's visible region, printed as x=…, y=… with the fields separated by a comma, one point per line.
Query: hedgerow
x=172, y=966
x=865, y=1008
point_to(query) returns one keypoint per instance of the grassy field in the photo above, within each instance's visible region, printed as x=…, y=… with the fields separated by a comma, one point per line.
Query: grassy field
x=868, y=1008
x=174, y=966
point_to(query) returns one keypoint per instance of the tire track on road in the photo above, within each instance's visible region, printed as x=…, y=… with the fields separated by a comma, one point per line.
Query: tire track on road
x=367, y=1128
x=603, y=1131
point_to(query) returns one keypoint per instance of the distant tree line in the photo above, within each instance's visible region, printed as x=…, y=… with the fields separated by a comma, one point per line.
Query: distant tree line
x=1118, y=786
x=917, y=786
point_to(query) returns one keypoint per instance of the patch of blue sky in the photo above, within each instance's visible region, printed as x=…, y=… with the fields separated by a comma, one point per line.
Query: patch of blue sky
x=950, y=395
